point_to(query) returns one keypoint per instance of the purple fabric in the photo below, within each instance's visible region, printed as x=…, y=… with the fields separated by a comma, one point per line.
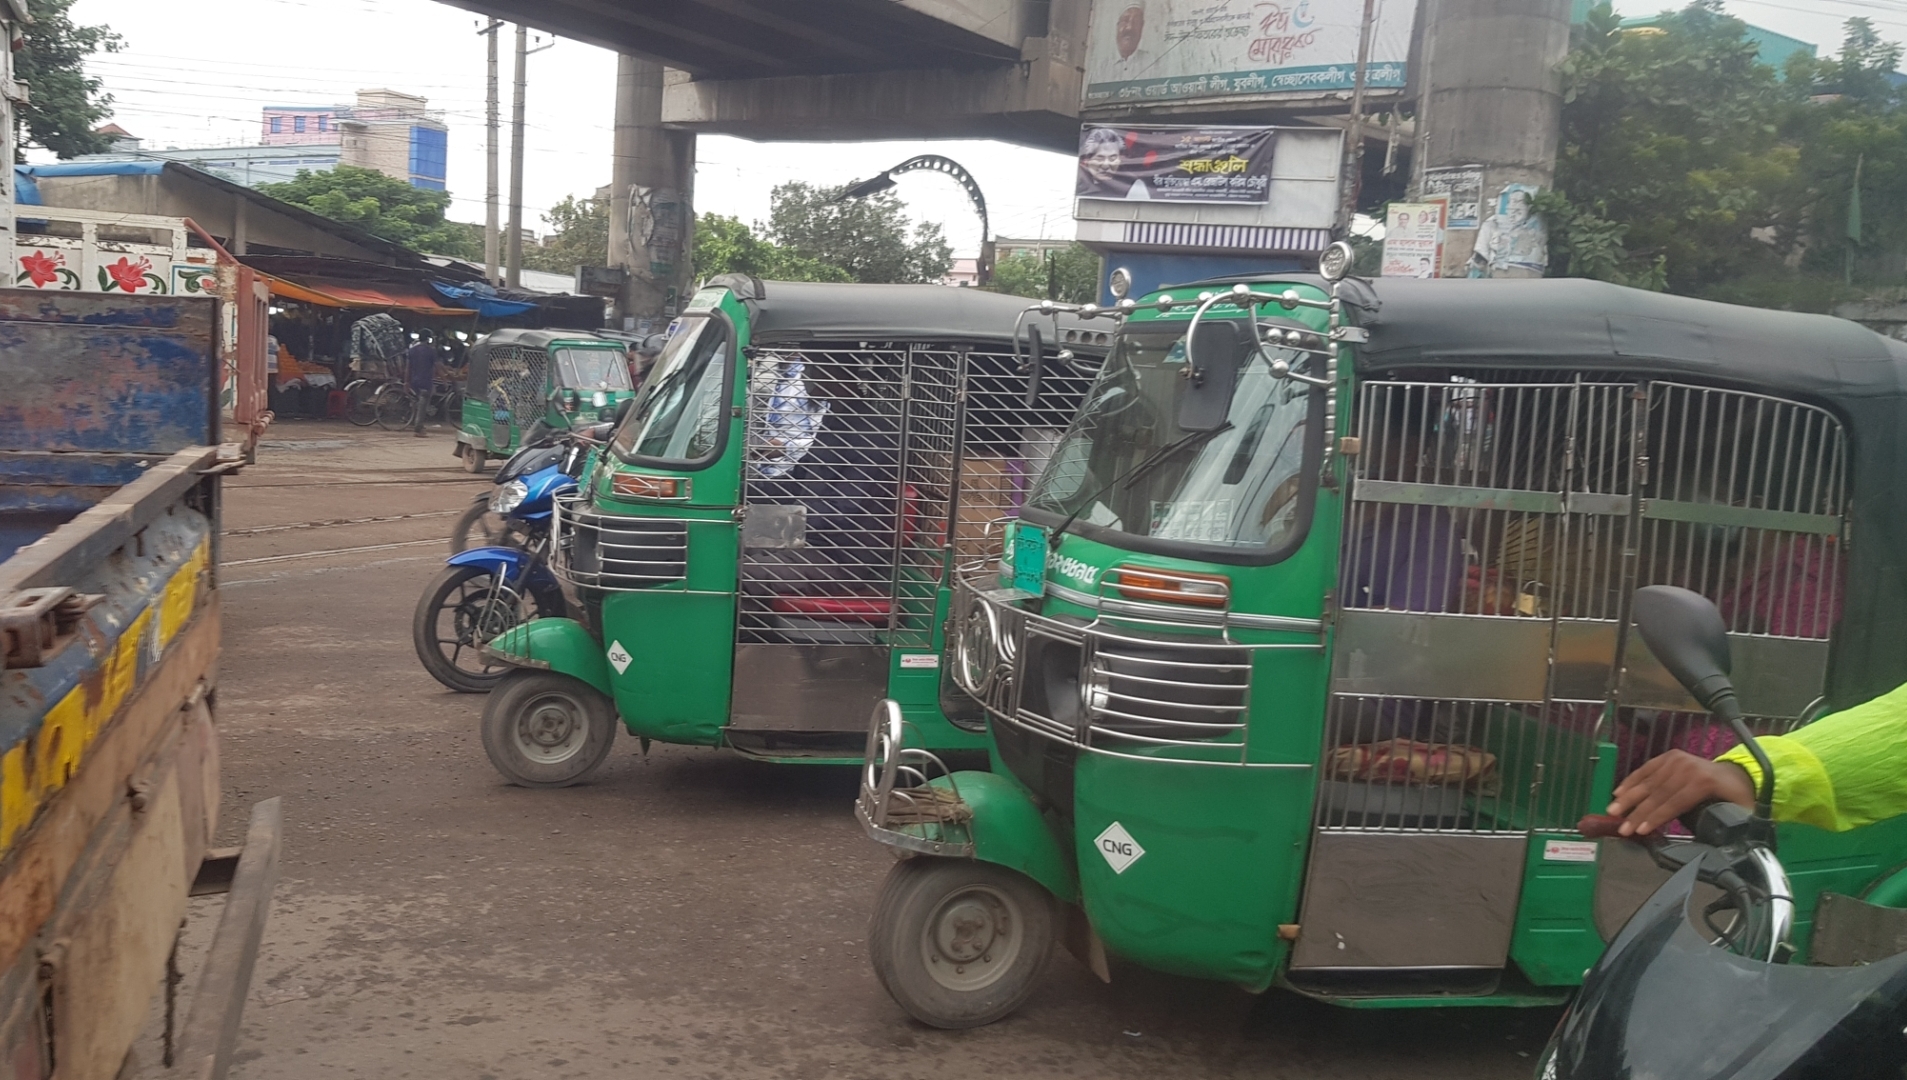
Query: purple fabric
x=422, y=358
x=1409, y=558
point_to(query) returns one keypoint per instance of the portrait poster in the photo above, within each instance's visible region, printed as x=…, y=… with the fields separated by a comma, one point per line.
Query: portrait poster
x=1413, y=239
x=1176, y=164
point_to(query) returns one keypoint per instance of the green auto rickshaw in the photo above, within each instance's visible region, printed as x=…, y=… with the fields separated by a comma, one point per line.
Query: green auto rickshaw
x=765, y=548
x=1312, y=645
x=515, y=378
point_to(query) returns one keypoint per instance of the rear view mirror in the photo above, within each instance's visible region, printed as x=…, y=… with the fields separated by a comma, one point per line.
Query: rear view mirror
x=1214, y=354
x=1686, y=633
x=623, y=407
x=1035, y=365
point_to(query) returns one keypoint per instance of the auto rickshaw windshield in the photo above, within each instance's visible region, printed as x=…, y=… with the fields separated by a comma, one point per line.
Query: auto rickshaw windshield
x=679, y=415
x=1242, y=487
x=593, y=369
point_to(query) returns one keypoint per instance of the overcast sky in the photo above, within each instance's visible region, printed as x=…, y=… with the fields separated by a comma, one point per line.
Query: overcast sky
x=197, y=74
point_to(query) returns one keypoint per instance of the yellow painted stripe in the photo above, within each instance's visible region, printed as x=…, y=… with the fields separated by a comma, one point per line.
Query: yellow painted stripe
x=32, y=772
x=182, y=593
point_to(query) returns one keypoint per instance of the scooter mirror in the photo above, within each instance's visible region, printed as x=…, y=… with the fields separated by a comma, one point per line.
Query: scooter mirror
x=1219, y=351
x=1035, y=365
x=1686, y=633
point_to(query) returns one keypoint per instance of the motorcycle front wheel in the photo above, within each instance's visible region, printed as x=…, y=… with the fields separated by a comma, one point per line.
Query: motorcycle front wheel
x=464, y=608
x=481, y=527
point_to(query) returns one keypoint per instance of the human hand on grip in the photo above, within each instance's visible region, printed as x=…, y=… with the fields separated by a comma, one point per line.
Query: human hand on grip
x=1671, y=785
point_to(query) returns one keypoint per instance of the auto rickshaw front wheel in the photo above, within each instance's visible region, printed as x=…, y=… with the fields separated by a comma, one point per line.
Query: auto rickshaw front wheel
x=546, y=730
x=960, y=943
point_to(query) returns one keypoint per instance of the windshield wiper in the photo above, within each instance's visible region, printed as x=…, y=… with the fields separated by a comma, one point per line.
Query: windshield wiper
x=1131, y=476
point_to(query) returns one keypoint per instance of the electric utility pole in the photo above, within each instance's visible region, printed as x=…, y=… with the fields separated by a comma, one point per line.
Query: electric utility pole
x=513, y=274
x=490, y=246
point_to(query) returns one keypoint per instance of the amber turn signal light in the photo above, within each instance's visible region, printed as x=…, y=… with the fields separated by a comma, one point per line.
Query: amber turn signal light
x=1172, y=586
x=644, y=486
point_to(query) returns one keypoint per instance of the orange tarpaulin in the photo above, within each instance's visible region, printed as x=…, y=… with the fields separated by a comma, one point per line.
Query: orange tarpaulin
x=337, y=294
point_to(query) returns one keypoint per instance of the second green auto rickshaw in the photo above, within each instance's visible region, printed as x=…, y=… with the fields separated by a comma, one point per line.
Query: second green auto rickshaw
x=515, y=378
x=1313, y=642
x=764, y=550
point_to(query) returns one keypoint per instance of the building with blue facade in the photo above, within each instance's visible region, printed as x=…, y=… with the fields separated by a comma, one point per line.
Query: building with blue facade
x=392, y=132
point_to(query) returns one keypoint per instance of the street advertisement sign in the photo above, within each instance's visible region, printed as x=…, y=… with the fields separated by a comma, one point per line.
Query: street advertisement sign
x=1176, y=164
x=1413, y=239
x=1463, y=186
x=1140, y=51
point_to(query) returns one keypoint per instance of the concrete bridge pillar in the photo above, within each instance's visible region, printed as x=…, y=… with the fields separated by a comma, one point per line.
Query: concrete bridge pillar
x=651, y=203
x=1492, y=104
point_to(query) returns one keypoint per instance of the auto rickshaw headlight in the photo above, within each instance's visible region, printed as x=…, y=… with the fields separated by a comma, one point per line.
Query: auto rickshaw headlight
x=599, y=399
x=509, y=497
x=643, y=486
x=1171, y=586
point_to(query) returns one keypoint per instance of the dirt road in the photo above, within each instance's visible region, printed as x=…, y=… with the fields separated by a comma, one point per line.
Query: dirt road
x=690, y=914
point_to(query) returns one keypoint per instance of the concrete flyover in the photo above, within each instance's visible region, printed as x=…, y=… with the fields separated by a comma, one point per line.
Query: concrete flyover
x=844, y=69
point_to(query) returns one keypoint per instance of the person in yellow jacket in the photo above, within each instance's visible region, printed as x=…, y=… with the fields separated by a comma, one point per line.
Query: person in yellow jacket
x=1840, y=772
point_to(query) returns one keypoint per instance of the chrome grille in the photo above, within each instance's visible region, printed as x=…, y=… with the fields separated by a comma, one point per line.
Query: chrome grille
x=614, y=551
x=1116, y=685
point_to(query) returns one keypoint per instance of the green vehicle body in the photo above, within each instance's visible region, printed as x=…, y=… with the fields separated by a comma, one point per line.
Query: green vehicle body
x=517, y=378
x=1235, y=832
x=694, y=654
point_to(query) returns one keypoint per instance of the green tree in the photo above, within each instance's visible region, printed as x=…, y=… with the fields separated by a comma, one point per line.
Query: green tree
x=871, y=238
x=1069, y=274
x=581, y=236
x=1672, y=169
x=1853, y=128
x=66, y=102
x=724, y=245
x=382, y=206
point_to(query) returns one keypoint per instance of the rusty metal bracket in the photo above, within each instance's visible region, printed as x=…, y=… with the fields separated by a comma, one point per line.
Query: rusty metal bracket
x=35, y=624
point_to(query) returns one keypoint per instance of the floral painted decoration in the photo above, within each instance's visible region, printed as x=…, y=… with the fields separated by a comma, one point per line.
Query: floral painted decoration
x=40, y=269
x=130, y=276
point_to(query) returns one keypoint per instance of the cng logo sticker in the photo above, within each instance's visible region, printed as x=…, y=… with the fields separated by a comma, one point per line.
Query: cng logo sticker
x=1119, y=848
x=619, y=657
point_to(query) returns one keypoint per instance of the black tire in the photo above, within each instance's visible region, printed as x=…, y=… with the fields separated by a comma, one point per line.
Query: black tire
x=458, y=614
x=544, y=730
x=452, y=407
x=359, y=398
x=396, y=407
x=937, y=931
x=474, y=458
x=479, y=527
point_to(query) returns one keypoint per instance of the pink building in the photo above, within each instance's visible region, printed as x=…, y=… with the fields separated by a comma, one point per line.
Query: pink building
x=292, y=125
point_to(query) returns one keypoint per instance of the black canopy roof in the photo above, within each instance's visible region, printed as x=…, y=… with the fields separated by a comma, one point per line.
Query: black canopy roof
x=1575, y=324
x=788, y=311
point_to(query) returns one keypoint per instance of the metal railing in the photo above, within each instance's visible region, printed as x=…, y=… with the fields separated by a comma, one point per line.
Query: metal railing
x=1495, y=535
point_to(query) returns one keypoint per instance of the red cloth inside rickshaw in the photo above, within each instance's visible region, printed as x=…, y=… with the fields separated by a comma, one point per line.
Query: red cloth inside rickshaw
x=867, y=609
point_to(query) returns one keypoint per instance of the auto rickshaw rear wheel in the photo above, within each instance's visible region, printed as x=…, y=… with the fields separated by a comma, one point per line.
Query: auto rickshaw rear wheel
x=960, y=943
x=542, y=729
x=474, y=458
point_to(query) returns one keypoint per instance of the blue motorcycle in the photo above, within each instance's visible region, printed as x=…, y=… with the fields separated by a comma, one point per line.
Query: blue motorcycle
x=485, y=590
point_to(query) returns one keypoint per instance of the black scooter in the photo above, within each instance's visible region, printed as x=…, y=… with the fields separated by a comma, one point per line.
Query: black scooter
x=1703, y=990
